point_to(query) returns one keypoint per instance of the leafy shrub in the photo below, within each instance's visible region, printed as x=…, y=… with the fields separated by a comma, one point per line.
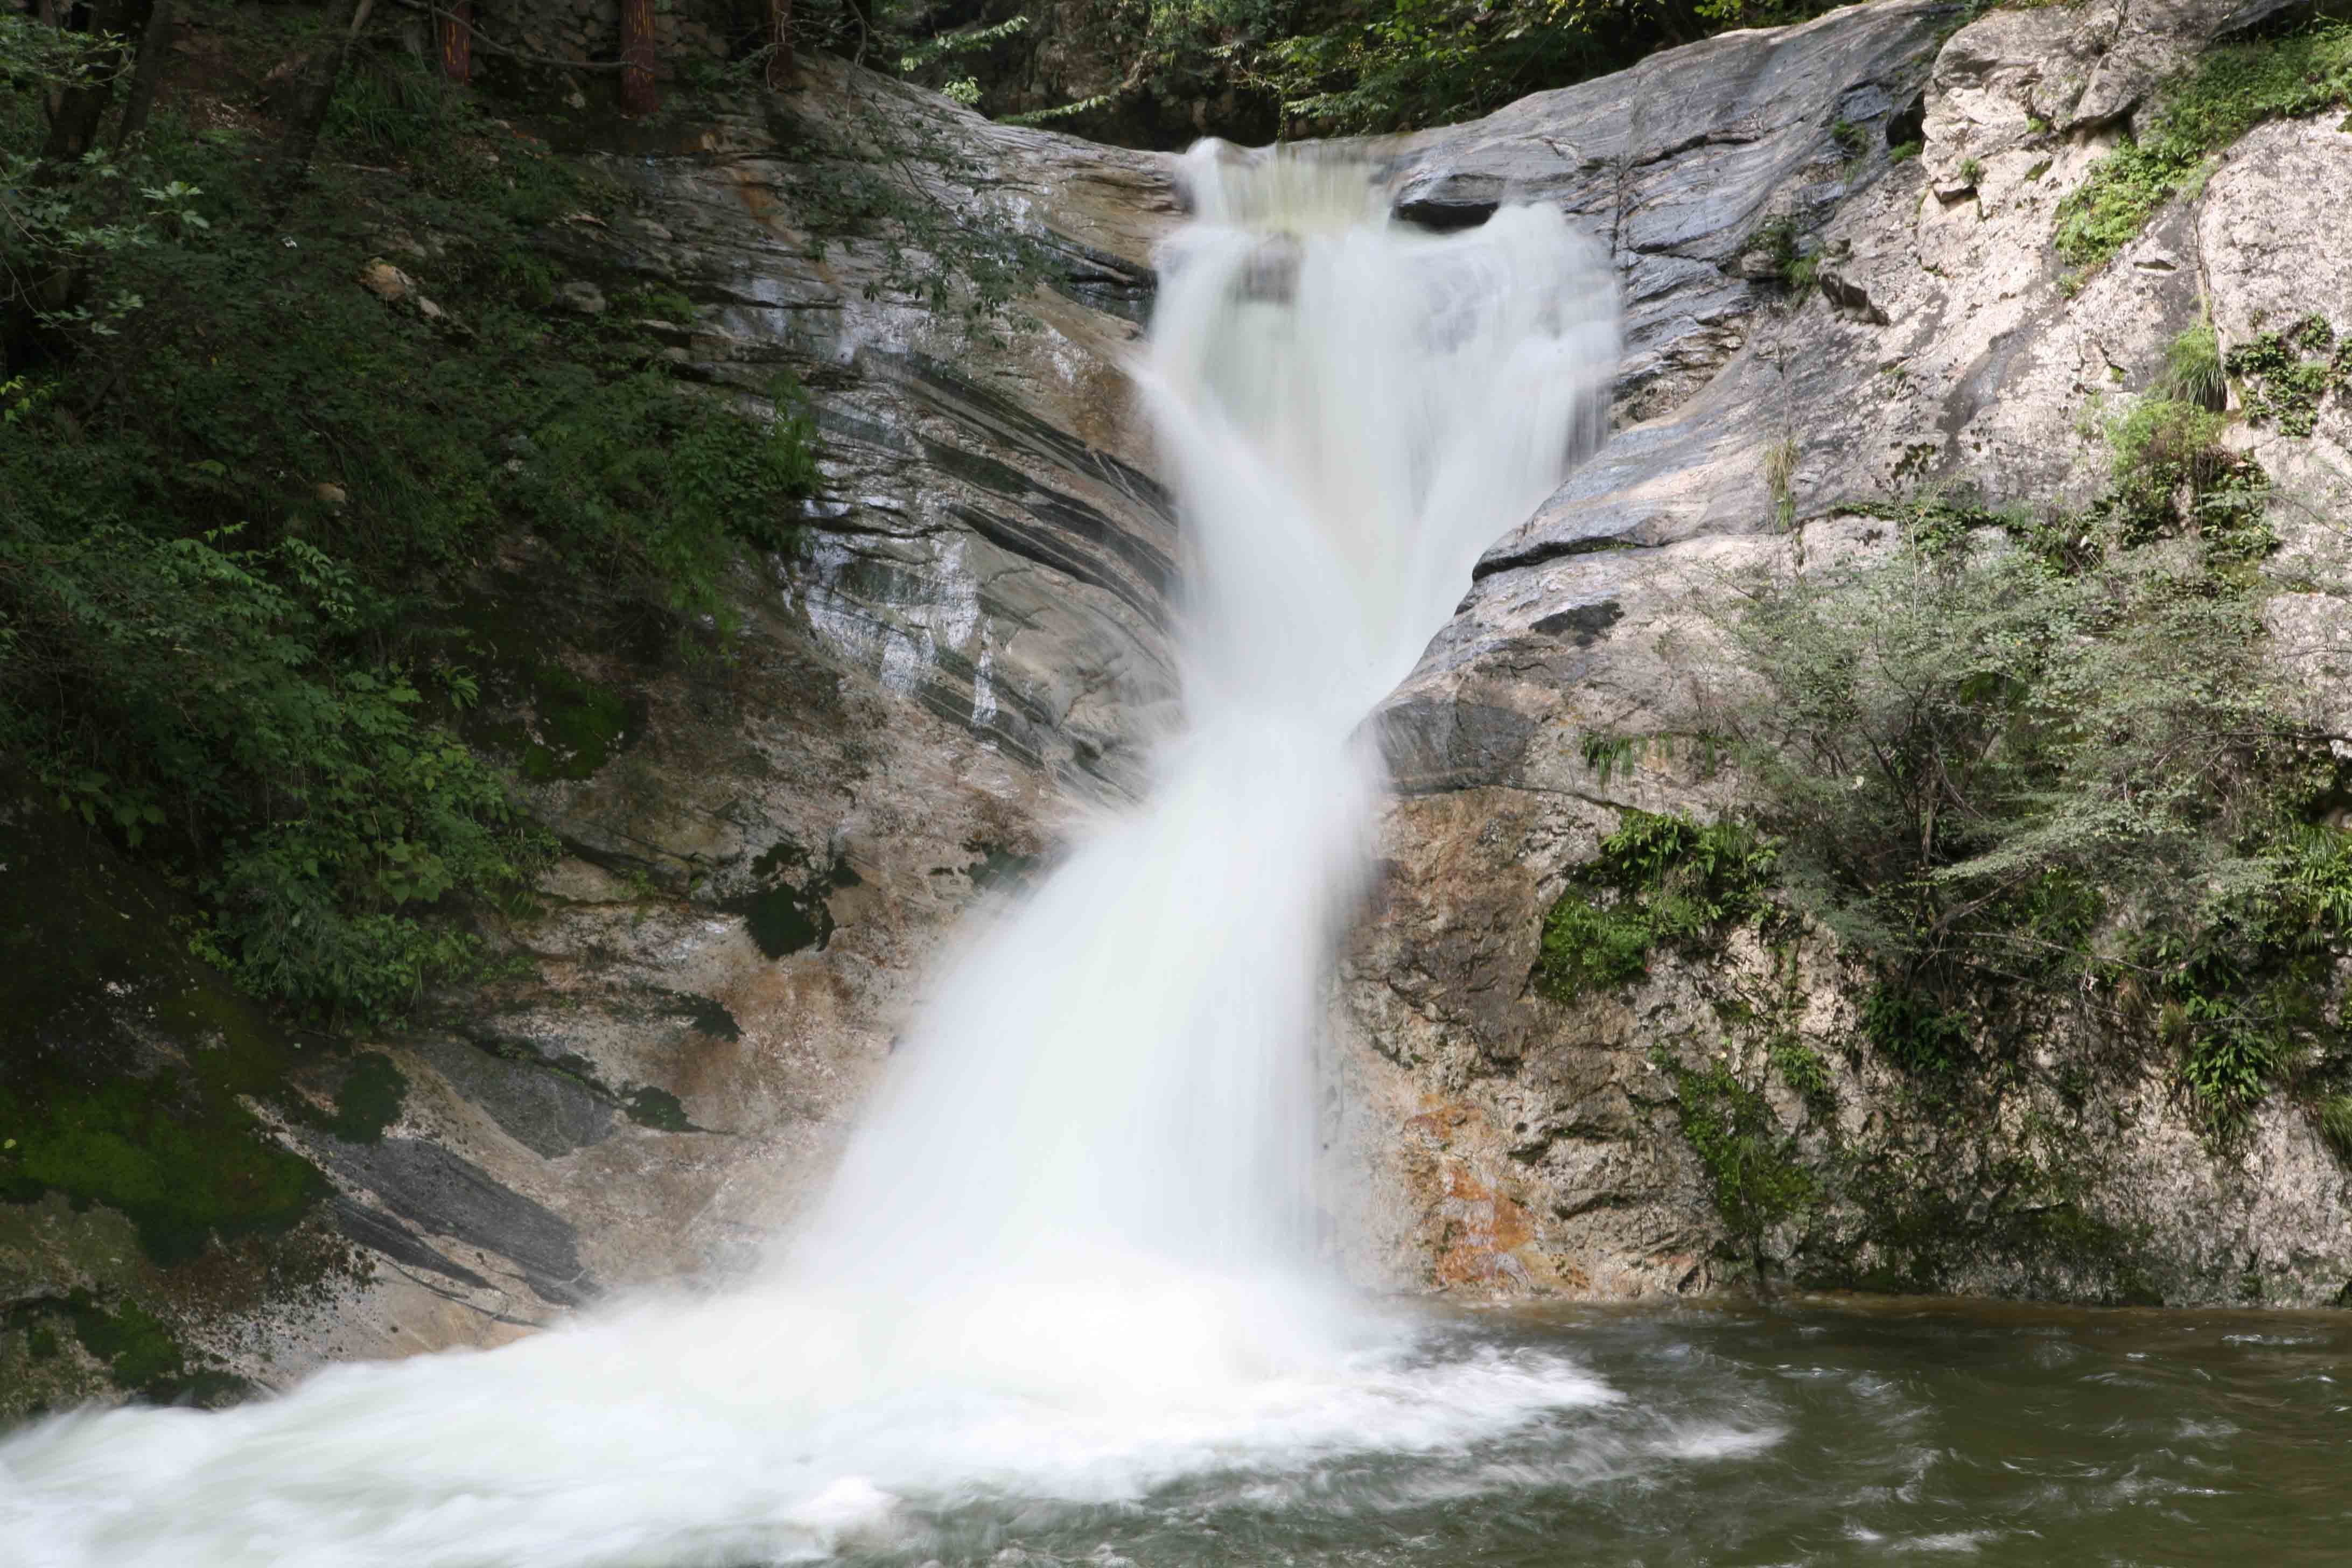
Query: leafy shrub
x=1751, y=1162
x=2287, y=374
x=2161, y=446
x=1995, y=767
x=2229, y=92
x=1912, y=1031
x=1658, y=878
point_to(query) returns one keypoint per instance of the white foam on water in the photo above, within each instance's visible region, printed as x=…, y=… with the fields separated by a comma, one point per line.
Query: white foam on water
x=1067, y=1257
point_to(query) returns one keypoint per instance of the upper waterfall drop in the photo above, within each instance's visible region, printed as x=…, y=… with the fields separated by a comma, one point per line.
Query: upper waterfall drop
x=1070, y=1255
x=1352, y=409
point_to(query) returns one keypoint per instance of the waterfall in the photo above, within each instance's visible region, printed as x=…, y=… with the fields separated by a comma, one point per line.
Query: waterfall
x=1070, y=1254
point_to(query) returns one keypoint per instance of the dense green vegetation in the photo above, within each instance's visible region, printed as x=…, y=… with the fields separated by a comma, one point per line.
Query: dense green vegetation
x=248, y=467
x=1275, y=68
x=2032, y=764
x=2230, y=90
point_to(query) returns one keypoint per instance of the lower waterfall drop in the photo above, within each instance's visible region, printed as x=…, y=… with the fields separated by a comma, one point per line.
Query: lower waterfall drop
x=1069, y=1257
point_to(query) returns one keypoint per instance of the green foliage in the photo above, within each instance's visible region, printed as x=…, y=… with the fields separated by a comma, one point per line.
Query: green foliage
x=237, y=521
x=2336, y=1124
x=2286, y=374
x=2229, y=91
x=1297, y=66
x=1751, y=1162
x=1802, y=1068
x=1912, y=1031
x=2192, y=368
x=2159, y=446
x=1608, y=755
x=2016, y=773
x=1658, y=878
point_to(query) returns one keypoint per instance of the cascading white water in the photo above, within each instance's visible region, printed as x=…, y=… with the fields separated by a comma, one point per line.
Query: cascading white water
x=1068, y=1257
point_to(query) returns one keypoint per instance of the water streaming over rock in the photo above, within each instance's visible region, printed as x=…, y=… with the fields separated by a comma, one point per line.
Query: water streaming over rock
x=1070, y=1256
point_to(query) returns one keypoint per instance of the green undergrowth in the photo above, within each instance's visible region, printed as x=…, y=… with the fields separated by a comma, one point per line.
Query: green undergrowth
x=2284, y=374
x=241, y=505
x=1752, y=1167
x=2230, y=90
x=1658, y=880
x=2035, y=767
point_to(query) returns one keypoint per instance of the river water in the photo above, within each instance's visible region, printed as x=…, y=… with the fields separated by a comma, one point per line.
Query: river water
x=1818, y=1433
x=1062, y=1297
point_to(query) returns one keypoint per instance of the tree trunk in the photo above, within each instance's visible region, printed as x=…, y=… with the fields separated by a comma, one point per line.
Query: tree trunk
x=73, y=127
x=455, y=22
x=55, y=98
x=780, y=40
x=311, y=103
x=638, y=93
x=147, y=75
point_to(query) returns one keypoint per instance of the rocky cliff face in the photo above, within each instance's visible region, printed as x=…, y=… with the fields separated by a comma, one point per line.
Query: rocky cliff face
x=765, y=852
x=1522, y=1146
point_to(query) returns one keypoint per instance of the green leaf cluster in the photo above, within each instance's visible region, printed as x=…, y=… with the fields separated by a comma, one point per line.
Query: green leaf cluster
x=1659, y=879
x=1751, y=1163
x=2286, y=374
x=2226, y=93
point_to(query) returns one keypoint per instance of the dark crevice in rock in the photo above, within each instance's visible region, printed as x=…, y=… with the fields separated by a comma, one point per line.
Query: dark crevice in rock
x=445, y=1194
x=378, y=1231
x=1551, y=550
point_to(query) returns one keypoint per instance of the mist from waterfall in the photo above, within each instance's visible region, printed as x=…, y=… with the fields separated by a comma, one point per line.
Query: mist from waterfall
x=1071, y=1253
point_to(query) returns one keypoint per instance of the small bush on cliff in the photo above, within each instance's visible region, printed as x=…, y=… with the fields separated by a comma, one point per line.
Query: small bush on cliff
x=2286, y=374
x=1659, y=879
x=2229, y=91
x=2336, y=1124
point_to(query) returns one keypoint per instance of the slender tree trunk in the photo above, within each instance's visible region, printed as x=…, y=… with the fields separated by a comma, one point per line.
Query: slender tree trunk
x=147, y=75
x=56, y=97
x=311, y=105
x=73, y=127
x=639, y=95
x=780, y=40
x=455, y=22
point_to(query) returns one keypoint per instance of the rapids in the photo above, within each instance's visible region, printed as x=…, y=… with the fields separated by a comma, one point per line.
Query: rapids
x=1069, y=1257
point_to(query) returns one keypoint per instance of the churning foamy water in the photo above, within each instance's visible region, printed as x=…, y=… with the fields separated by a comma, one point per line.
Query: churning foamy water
x=1068, y=1257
